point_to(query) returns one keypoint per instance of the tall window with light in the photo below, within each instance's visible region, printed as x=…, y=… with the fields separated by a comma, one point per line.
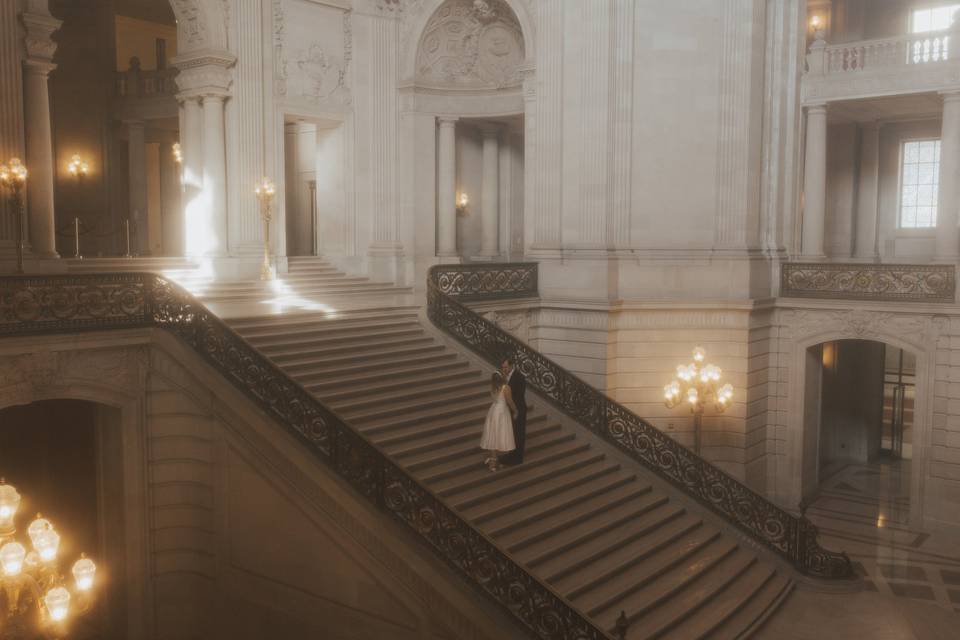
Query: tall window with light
x=919, y=182
x=932, y=18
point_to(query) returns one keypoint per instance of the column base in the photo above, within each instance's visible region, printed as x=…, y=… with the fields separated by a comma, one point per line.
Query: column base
x=52, y=255
x=448, y=254
x=485, y=258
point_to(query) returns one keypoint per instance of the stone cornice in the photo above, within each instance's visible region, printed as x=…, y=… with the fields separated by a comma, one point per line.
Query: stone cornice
x=204, y=73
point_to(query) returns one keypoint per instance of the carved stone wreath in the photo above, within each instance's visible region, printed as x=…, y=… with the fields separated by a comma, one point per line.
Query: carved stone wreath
x=471, y=44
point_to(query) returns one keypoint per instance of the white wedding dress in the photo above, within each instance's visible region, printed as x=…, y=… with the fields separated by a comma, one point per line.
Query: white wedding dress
x=498, y=427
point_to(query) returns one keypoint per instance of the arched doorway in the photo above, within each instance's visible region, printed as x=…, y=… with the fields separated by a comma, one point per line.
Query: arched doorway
x=64, y=457
x=859, y=425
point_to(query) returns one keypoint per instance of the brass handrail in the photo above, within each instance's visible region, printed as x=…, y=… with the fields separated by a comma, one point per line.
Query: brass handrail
x=52, y=304
x=792, y=537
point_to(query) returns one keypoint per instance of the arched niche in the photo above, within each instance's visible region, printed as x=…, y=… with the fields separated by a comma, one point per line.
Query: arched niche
x=469, y=45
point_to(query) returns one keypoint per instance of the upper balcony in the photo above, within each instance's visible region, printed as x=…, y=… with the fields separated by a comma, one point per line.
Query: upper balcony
x=146, y=94
x=905, y=64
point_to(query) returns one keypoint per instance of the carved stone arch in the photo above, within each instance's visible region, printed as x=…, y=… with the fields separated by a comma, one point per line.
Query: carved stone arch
x=201, y=24
x=418, y=21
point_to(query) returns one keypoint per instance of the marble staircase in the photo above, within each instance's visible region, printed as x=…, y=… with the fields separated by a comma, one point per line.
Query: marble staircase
x=600, y=532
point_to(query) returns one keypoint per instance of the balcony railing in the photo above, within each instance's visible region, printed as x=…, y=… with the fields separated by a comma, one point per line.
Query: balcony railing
x=135, y=83
x=879, y=282
x=902, y=64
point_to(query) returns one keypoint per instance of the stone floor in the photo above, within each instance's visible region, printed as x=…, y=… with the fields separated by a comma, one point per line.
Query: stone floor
x=911, y=576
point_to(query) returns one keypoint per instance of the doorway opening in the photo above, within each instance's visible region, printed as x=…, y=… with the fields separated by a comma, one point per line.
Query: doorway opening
x=315, y=193
x=64, y=458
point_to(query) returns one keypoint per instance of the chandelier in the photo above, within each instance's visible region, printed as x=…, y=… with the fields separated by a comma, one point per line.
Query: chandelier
x=35, y=599
x=698, y=384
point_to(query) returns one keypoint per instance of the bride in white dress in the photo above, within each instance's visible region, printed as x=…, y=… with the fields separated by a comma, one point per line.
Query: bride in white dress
x=498, y=427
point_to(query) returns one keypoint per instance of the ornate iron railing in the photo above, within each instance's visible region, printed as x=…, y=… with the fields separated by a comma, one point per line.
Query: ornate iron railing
x=70, y=303
x=794, y=538
x=881, y=282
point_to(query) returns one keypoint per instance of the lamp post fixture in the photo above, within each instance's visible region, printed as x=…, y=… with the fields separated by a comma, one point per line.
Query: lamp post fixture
x=13, y=176
x=698, y=384
x=38, y=600
x=265, y=191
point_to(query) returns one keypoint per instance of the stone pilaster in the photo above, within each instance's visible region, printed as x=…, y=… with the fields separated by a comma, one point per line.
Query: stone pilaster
x=490, y=194
x=815, y=183
x=447, y=187
x=245, y=224
x=550, y=41
x=40, y=47
x=137, y=186
x=621, y=125
x=11, y=110
x=865, y=246
x=947, y=247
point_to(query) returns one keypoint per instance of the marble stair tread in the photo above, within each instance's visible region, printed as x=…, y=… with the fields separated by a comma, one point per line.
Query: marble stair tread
x=551, y=475
x=310, y=318
x=317, y=323
x=381, y=367
x=455, y=410
x=723, y=605
x=317, y=336
x=469, y=431
x=468, y=456
x=482, y=477
x=608, y=489
x=444, y=428
x=372, y=410
x=359, y=394
x=654, y=579
x=751, y=614
x=511, y=502
x=551, y=533
x=365, y=377
x=660, y=616
x=425, y=389
x=308, y=362
x=288, y=354
x=664, y=542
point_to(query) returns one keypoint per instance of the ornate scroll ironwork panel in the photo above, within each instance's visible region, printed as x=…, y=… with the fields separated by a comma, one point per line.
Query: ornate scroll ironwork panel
x=793, y=538
x=69, y=303
x=881, y=282
x=507, y=280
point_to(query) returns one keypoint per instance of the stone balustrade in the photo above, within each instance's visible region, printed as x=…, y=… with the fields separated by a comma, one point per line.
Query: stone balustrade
x=909, y=63
x=879, y=282
x=135, y=83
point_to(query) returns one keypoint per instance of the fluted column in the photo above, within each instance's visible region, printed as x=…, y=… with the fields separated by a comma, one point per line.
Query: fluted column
x=447, y=188
x=815, y=182
x=137, y=185
x=170, y=210
x=11, y=110
x=215, y=173
x=40, y=48
x=191, y=149
x=865, y=246
x=490, y=193
x=947, y=244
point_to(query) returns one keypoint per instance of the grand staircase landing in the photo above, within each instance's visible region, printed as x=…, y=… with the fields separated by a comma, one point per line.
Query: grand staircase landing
x=599, y=532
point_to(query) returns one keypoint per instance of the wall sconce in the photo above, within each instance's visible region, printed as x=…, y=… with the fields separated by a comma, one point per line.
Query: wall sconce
x=462, y=202
x=78, y=168
x=177, y=153
x=817, y=26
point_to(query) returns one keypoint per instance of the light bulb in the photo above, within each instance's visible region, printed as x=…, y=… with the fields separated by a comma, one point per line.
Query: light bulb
x=83, y=572
x=692, y=395
x=11, y=558
x=815, y=22
x=38, y=526
x=9, y=503
x=699, y=355
x=57, y=601
x=668, y=392
x=46, y=543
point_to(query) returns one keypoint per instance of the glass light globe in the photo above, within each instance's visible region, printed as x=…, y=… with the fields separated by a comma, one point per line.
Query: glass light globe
x=692, y=395
x=699, y=355
x=11, y=558
x=84, y=571
x=37, y=527
x=46, y=543
x=9, y=503
x=727, y=391
x=57, y=601
x=716, y=373
x=668, y=391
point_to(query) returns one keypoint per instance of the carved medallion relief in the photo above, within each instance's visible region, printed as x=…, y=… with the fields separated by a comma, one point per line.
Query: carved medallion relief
x=471, y=44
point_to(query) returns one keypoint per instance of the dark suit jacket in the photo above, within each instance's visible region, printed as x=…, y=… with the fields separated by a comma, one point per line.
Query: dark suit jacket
x=518, y=388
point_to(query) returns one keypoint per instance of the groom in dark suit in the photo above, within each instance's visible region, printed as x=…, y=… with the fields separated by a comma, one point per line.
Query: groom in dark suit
x=518, y=388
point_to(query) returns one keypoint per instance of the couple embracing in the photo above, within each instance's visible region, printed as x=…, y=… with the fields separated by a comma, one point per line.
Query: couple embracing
x=505, y=428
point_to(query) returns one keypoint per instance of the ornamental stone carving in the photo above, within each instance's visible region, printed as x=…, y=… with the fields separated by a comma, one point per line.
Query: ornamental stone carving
x=920, y=330
x=471, y=44
x=885, y=282
x=38, y=41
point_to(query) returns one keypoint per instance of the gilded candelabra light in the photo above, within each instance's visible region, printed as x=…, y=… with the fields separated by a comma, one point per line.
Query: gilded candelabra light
x=265, y=191
x=698, y=384
x=39, y=601
x=13, y=177
x=463, y=201
x=78, y=167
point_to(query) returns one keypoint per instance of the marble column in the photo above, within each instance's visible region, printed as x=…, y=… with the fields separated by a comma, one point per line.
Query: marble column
x=947, y=243
x=865, y=245
x=490, y=193
x=11, y=110
x=447, y=188
x=191, y=148
x=37, y=66
x=815, y=183
x=137, y=167
x=171, y=212
x=215, y=173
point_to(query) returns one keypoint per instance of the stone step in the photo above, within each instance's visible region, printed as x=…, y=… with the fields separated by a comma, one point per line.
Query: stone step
x=469, y=431
x=419, y=385
x=340, y=347
x=308, y=363
x=319, y=372
x=751, y=613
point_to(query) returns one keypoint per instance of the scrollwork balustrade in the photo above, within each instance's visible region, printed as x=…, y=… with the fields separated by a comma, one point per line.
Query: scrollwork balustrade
x=794, y=538
x=880, y=282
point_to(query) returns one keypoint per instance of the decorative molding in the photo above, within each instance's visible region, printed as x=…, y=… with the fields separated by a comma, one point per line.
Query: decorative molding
x=204, y=73
x=312, y=72
x=882, y=282
x=920, y=330
x=471, y=44
x=38, y=41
